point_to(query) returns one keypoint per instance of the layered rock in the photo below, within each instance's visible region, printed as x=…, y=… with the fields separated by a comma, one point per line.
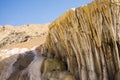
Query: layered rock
x=82, y=44
x=88, y=40
x=33, y=65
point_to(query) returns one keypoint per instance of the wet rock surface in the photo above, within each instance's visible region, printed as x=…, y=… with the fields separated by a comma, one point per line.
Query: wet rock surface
x=24, y=60
x=19, y=66
x=33, y=66
x=82, y=44
x=89, y=38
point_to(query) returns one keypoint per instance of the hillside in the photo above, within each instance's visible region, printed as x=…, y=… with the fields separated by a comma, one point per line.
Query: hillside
x=81, y=44
x=29, y=35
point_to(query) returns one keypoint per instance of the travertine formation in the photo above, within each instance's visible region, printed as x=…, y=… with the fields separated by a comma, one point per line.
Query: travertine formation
x=82, y=44
x=32, y=65
x=88, y=40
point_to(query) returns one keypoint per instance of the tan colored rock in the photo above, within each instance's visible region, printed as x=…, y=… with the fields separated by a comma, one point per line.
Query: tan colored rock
x=14, y=35
x=88, y=39
x=58, y=75
x=53, y=65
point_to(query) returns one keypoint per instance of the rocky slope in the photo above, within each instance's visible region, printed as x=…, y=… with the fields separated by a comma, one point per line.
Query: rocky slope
x=11, y=35
x=82, y=44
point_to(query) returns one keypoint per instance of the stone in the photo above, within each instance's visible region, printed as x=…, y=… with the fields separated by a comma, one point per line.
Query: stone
x=58, y=75
x=85, y=39
x=53, y=65
x=24, y=60
x=117, y=76
x=20, y=65
x=88, y=38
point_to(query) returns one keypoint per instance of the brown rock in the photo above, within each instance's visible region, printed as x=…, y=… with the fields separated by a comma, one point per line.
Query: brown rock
x=58, y=75
x=117, y=76
x=53, y=65
x=88, y=38
x=24, y=60
x=21, y=65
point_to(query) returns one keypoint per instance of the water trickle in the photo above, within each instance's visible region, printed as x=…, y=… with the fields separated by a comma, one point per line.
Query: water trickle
x=35, y=68
x=26, y=66
x=7, y=72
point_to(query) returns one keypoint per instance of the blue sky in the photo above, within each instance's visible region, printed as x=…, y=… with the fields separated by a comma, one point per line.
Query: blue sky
x=19, y=12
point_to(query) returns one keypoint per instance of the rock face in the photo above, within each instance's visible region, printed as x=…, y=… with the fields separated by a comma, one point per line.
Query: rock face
x=21, y=64
x=88, y=39
x=58, y=75
x=53, y=65
x=82, y=44
x=33, y=66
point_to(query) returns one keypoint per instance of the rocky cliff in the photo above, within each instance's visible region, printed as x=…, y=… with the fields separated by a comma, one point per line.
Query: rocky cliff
x=82, y=44
x=88, y=40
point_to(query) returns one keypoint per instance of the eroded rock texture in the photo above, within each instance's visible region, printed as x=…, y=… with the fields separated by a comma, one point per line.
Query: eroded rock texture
x=82, y=44
x=33, y=65
x=88, y=39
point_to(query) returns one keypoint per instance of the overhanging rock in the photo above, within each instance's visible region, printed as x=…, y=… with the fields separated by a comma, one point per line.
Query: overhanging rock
x=88, y=39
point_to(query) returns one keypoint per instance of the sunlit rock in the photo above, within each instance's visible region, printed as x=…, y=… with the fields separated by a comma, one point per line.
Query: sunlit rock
x=24, y=50
x=82, y=44
x=88, y=39
x=73, y=9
